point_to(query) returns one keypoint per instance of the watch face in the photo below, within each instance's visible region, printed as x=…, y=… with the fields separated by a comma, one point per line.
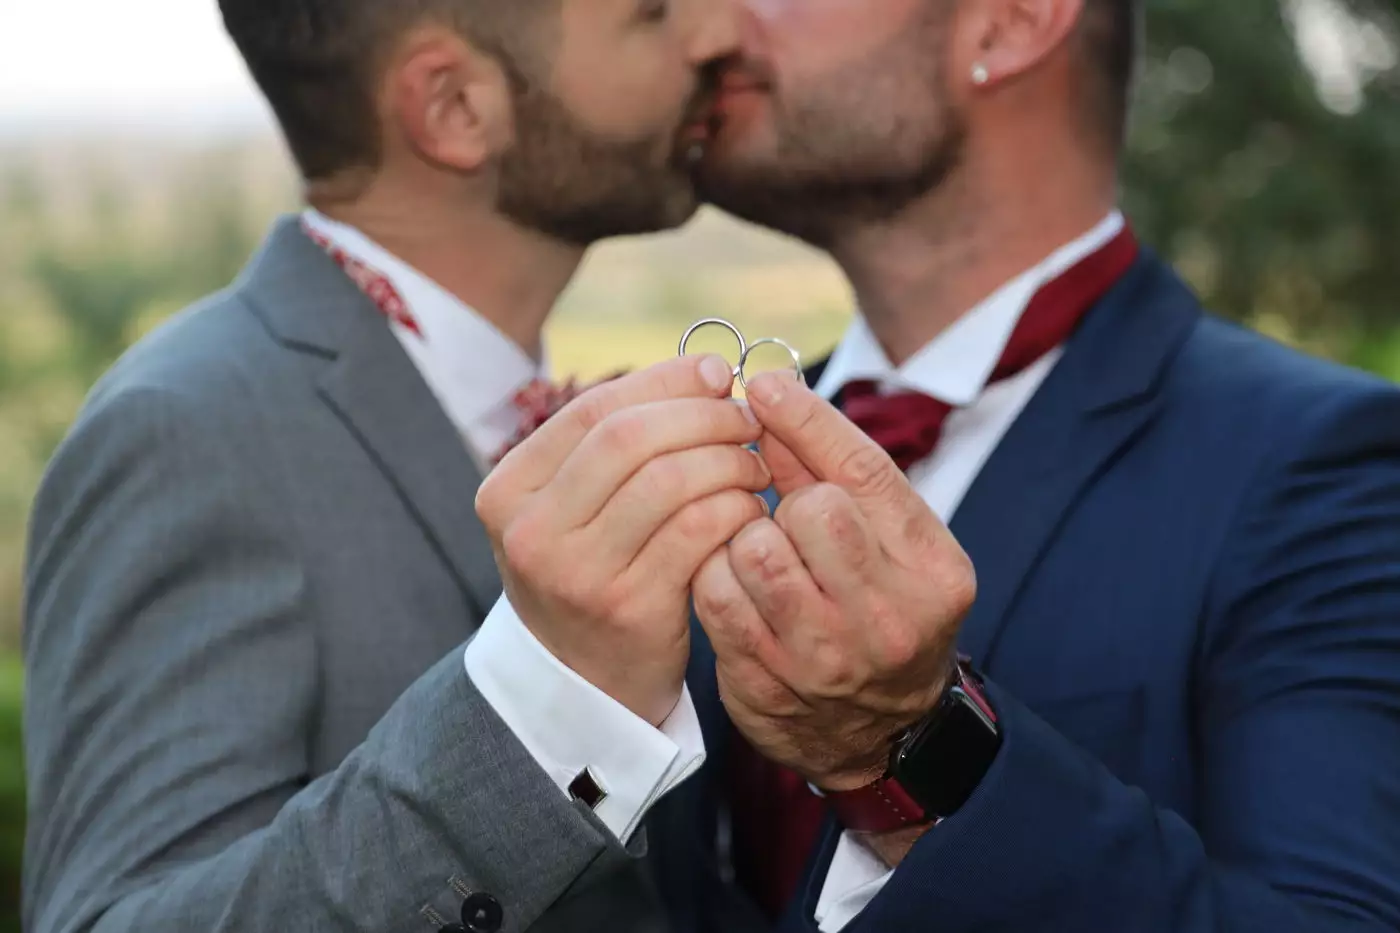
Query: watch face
x=942, y=764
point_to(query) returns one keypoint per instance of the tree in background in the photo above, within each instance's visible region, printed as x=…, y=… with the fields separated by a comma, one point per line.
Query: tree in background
x=1265, y=161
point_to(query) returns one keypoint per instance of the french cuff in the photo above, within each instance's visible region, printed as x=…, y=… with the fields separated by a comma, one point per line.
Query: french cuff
x=591, y=746
x=853, y=879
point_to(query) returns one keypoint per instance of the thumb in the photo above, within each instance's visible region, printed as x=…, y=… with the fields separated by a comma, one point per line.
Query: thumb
x=829, y=448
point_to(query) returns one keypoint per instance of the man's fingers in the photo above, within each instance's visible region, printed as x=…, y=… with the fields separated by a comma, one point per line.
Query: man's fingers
x=534, y=463
x=833, y=539
x=674, y=554
x=736, y=630
x=675, y=506
x=789, y=473
x=770, y=570
x=833, y=449
x=630, y=441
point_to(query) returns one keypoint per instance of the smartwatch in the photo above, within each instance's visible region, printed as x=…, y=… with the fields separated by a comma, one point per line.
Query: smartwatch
x=934, y=766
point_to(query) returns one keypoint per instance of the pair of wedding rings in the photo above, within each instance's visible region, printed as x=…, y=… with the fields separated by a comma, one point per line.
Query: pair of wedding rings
x=745, y=348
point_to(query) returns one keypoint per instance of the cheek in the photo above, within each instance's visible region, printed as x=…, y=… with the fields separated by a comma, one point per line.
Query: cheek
x=816, y=36
x=630, y=98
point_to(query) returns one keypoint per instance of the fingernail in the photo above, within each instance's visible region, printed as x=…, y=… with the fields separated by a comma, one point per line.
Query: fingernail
x=716, y=373
x=763, y=463
x=767, y=509
x=748, y=412
x=767, y=388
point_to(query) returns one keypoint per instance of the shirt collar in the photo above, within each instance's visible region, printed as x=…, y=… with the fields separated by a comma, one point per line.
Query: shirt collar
x=954, y=367
x=477, y=368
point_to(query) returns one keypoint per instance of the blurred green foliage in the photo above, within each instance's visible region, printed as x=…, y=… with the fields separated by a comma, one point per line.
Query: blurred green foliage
x=11, y=793
x=1264, y=161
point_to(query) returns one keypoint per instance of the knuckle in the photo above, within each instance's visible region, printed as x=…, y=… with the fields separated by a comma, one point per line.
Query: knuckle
x=868, y=468
x=832, y=666
x=900, y=647
x=592, y=408
x=489, y=508
x=807, y=414
x=754, y=549
x=612, y=602
x=699, y=520
x=818, y=507
x=714, y=603
x=523, y=548
x=623, y=431
x=959, y=581
x=664, y=480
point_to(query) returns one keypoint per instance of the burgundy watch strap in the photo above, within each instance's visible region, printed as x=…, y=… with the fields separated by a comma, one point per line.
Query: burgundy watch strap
x=881, y=807
x=884, y=805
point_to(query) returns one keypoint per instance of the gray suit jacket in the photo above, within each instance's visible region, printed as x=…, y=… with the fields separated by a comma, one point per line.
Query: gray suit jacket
x=254, y=563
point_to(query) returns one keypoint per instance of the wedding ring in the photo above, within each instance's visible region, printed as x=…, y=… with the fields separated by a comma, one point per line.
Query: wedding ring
x=717, y=322
x=745, y=348
x=771, y=341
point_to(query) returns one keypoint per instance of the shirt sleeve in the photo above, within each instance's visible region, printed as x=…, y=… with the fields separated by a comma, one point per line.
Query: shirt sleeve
x=853, y=879
x=571, y=727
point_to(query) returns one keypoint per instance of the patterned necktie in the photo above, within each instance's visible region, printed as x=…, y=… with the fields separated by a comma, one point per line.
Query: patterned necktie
x=776, y=818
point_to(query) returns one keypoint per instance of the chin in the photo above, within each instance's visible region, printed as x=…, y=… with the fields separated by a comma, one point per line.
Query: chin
x=729, y=168
x=667, y=212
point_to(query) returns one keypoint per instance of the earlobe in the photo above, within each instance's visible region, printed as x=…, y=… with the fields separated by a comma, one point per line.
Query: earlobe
x=1021, y=34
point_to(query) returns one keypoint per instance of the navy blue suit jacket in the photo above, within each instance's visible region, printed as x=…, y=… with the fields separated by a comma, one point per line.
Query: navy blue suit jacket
x=1188, y=556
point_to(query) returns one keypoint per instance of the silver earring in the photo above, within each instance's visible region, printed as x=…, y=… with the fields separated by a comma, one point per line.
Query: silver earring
x=979, y=74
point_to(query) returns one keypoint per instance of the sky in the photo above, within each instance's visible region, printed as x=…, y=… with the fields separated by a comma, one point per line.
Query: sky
x=162, y=63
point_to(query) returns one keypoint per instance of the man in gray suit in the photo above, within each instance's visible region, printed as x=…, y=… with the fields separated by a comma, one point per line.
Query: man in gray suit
x=256, y=559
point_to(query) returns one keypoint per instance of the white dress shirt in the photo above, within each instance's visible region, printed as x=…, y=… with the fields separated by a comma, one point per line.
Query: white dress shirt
x=566, y=723
x=953, y=367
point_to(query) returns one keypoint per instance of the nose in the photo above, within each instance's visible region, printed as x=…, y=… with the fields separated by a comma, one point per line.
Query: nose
x=718, y=30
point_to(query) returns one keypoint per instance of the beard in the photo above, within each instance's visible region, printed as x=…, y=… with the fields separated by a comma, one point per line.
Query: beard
x=857, y=148
x=579, y=187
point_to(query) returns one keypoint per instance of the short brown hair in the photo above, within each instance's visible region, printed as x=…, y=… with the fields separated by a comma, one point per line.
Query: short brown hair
x=1112, y=33
x=317, y=63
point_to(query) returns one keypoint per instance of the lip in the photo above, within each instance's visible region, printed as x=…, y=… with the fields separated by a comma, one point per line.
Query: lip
x=741, y=85
x=697, y=129
x=734, y=98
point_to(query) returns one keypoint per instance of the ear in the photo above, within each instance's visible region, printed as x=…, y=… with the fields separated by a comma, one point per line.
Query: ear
x=449, y=101
x=1002, y=40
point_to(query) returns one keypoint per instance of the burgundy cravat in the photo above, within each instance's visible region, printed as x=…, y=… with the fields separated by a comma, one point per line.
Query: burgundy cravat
x=776, y=818
x=908, y=424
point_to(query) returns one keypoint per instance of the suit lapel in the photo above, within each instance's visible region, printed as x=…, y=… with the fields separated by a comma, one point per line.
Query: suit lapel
x=1100, y=396
x=372, y=385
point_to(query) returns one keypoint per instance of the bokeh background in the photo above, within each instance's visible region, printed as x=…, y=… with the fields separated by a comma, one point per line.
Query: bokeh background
x=139, y=169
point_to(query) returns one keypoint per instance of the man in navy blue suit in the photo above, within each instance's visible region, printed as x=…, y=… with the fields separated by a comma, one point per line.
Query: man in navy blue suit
x=1174, y=704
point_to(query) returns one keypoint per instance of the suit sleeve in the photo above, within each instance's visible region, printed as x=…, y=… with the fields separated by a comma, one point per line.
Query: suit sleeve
x=1298, y=723
x=172, y=692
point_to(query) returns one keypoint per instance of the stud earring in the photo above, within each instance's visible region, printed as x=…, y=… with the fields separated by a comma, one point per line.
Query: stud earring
x=979, y=74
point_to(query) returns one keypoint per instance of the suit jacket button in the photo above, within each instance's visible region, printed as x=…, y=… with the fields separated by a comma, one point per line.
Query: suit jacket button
x=482, y=913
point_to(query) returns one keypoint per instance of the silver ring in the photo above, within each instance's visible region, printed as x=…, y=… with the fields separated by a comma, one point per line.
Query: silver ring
x=721, y=322
x=745, y=348
x=773, y=341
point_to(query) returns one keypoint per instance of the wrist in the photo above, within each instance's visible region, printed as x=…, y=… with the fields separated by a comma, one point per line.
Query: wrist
x=933, y=768
x=874, y=764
